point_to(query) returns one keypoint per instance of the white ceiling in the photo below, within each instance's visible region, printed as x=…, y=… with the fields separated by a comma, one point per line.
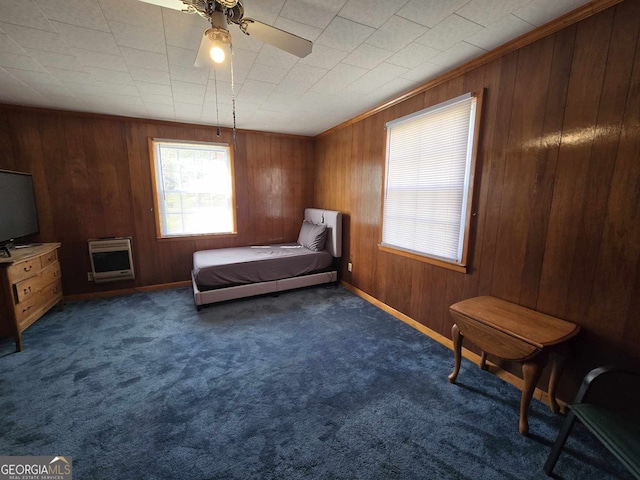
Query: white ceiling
x=126, y=57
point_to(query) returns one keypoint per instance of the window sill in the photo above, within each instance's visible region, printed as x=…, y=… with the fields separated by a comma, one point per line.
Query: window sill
x=421, y=258
x=208, y=236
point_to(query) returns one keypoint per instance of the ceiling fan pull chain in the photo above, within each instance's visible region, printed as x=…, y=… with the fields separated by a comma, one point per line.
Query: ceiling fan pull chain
x=233, y=95
x=215, y=87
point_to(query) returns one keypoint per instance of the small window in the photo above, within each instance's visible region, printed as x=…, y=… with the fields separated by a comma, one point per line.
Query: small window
x=193, y=183
x=429, y=182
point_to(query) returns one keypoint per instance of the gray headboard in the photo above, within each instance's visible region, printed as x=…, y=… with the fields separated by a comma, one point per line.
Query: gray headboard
x=333, y=221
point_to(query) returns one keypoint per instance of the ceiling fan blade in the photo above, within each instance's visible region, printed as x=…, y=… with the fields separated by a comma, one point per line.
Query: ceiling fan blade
x=173, y=4
x=301, y=47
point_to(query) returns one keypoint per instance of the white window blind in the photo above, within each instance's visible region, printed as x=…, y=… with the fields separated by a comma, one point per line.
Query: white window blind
x=428, y=180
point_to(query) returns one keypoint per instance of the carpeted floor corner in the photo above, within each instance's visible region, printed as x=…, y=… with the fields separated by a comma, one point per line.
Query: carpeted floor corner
x=313, y=384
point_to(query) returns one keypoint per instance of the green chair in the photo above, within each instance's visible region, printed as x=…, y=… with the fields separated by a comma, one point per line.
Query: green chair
x=608, y=404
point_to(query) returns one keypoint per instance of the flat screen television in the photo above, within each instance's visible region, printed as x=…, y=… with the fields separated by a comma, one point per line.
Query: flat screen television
x=18, y=212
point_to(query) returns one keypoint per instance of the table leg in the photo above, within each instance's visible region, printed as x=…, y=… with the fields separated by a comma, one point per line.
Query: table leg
x=531, y=371
x=557, y=366
x=457, y=352
x=483, y=360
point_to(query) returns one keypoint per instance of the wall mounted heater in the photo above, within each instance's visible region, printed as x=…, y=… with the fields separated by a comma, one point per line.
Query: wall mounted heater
x=111, y=259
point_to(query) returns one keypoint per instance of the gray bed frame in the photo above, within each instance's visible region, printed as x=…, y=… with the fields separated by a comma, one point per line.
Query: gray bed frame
x=333, y=221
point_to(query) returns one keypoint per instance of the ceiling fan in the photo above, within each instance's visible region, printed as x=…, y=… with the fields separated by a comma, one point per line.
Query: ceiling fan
x=220, y=13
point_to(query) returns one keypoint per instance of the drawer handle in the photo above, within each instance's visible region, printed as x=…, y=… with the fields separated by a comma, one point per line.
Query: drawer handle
x=24, y=310
x=55, y=274
x=28, y=269
x=55, y=289
x=26, y=290
x=49, y=258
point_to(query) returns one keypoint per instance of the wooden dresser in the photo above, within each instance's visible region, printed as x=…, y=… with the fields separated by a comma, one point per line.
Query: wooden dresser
x=30, y=284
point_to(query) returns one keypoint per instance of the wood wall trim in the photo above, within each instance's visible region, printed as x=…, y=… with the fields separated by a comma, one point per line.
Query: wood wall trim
x=125, y=291
x=554, y=26
x=441, y=339
x=151, y=121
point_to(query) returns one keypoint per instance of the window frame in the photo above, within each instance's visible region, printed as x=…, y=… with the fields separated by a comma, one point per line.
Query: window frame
x=461, y=266
x=156, y=192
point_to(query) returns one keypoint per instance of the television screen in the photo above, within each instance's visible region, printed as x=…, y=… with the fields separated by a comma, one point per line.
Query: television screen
x=18, y=213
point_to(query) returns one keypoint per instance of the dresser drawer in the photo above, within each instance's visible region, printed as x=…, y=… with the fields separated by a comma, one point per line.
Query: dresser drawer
x=48, y=259
x=31, y=286
x=22, y=270
x=32, y=308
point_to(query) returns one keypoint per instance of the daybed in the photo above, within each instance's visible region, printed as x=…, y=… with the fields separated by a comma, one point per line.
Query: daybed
x=229, y=273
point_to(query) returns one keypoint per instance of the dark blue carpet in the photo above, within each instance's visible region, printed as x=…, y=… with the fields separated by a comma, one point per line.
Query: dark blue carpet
x=315, y=383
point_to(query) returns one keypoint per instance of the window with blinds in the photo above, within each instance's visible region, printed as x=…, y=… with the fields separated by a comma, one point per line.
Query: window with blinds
x=429, y=180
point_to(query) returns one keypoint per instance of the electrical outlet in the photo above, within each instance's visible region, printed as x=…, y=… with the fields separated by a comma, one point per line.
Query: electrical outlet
x=350, y=266
x=89, y=277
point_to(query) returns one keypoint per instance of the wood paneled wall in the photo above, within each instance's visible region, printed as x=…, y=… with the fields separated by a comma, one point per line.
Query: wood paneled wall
x=92, y=178
x=556, y=215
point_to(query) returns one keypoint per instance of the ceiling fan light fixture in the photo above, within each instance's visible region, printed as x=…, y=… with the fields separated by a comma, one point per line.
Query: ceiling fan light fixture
x=217, y=54
x=227, y=3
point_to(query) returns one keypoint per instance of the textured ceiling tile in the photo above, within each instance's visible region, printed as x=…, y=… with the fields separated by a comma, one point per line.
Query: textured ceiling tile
x=117, y=88
x=297, y=28
x=538, y=12
x=189, y=98
x=425, y=71
x=323, y=57
x=133, y=12
x=34, y=38
x=87, y=39
x=56, y=60
x=192, y=75
x=84, y=13
x=111, y=76
x=343, y=34
x=412, y=55
x=348, y=73
x=51, y=90
x=448, y=32
x=153, y=98
x=367, y=56
x=500, y=32
x=23, y=62
x=7, y=79
x=267, y=73
x=154, y=88
x=376, y=78
x=486, y=12
x=137, y=37
x=187, y=88
x=181, y=57
x=8, y=45
x=396, y=33
x=292, y=87
x=150, y=76
x=371, y=12
x=77, y=78
x=28, y=76
x=184, y=37
x=429, y=13
x=275, y=57
x=25, y=13
x=330, y=85
x=100, y=60
x=145, y=59
x=306, y=74
x=316, y=14
x=265, y=11
x=457, y=54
